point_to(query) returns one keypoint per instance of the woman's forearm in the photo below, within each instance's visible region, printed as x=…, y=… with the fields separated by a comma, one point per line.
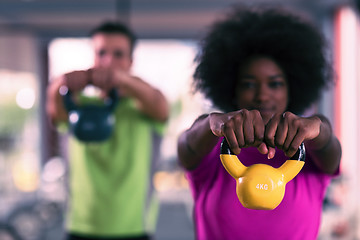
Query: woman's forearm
x=326, y=148
x=196, y=142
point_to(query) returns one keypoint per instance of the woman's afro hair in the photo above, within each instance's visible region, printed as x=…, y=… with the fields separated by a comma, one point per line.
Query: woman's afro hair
x=294, y=44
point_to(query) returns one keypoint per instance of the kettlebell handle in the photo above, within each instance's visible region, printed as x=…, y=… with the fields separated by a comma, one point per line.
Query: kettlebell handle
x=299, y=155
x=70, y=105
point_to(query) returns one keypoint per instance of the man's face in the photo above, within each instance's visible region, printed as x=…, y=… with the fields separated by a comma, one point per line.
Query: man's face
x=112, y=51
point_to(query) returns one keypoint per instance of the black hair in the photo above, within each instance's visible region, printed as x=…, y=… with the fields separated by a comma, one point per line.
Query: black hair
x=109, y=27
x=293, y=43
x=357, y=6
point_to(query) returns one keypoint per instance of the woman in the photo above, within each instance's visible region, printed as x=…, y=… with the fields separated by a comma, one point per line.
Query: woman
x=263, y=69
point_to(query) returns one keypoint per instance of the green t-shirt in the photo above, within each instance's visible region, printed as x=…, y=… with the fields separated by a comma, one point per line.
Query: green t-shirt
x=111, y=191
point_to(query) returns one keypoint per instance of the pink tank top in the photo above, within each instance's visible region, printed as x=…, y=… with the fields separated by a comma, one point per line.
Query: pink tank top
x=218, y=214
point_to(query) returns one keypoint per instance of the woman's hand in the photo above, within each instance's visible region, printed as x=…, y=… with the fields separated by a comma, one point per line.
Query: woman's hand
x=241, y=129
x=245, y=128
x=287, y=131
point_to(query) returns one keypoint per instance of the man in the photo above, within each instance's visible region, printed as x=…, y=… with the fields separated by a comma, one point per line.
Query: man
x=111, y=181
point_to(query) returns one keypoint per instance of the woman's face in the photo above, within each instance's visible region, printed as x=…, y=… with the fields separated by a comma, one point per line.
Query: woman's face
x=262, y=85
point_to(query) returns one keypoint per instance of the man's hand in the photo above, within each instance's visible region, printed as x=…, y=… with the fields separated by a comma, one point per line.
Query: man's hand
x=76, y=80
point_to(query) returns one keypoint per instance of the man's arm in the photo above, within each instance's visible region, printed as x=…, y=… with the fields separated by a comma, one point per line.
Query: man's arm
x=54, y=104
x=150, y=100
x=74, y=81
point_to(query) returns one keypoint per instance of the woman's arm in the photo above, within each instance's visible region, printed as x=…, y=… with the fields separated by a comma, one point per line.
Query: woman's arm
x=196, y=142
x=287, y=131
x=325, y=148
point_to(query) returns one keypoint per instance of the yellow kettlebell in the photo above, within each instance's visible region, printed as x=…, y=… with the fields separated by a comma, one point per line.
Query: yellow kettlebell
x=260, y=186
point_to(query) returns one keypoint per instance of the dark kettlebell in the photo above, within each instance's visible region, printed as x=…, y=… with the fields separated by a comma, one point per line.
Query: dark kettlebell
x=91, y=122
